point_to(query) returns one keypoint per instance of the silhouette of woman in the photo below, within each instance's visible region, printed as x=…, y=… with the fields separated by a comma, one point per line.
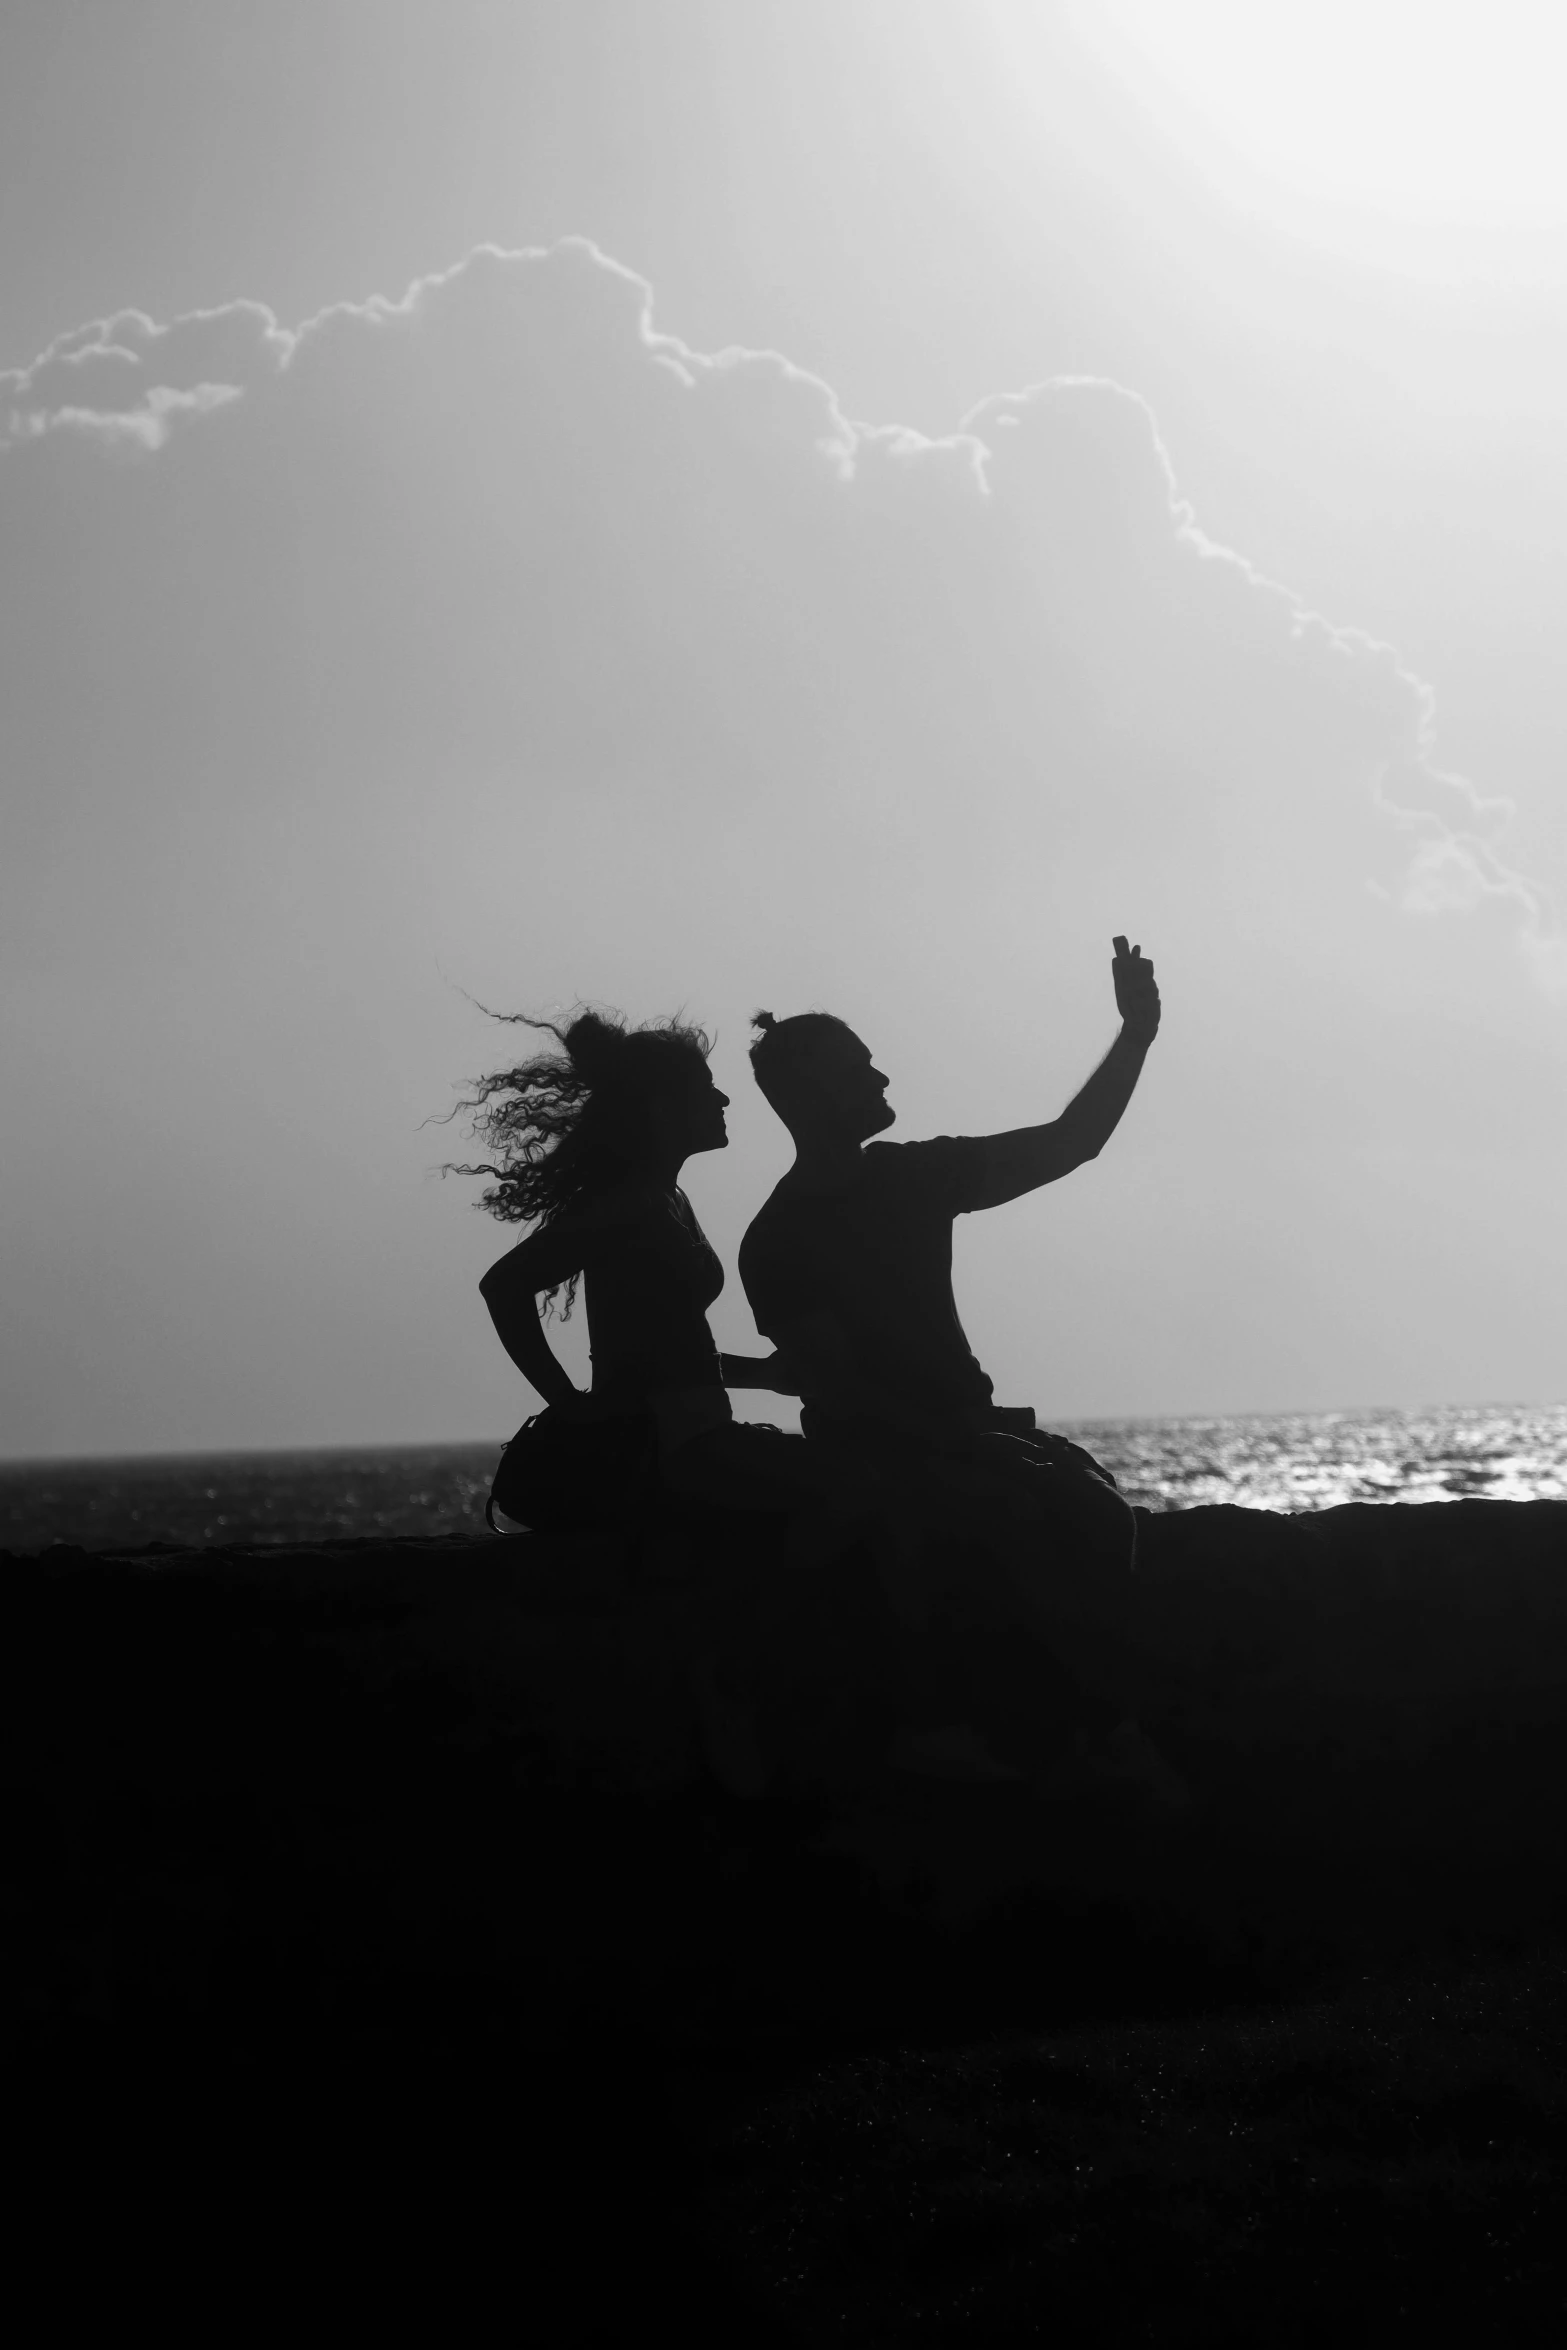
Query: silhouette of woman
x=587, y=1145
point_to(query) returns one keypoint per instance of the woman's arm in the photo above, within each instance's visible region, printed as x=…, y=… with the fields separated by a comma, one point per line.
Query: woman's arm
x=511, y=1289
x=769, y=1371
x=521, y=1333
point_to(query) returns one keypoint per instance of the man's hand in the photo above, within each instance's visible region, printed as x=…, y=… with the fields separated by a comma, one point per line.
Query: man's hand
x=1136, y=996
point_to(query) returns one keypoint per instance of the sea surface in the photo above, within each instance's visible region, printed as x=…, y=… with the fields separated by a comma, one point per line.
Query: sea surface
x=1277, y=1461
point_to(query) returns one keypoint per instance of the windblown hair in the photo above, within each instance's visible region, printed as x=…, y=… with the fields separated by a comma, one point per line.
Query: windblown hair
x=563, y=1127
x=785, y=1046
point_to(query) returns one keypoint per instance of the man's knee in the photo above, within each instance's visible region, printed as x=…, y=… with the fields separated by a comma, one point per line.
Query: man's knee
x=1061, y=1451
x=1098, y=1515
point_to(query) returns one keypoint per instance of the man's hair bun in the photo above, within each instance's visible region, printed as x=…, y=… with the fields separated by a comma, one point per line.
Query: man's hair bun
x=784, y=1045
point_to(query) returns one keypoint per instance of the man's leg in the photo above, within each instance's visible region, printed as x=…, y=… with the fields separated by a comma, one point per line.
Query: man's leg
x=1038, y=1651
x=1058, y=1486
x=1068, y=1542
x=1061, y=1450
x=1080, y=1577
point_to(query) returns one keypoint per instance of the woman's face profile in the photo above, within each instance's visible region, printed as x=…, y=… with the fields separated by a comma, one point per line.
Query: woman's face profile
x=690, y=1115
x=707, y=1106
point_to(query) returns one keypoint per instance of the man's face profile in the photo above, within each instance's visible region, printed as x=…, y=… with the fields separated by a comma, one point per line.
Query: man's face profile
x=851, y=1091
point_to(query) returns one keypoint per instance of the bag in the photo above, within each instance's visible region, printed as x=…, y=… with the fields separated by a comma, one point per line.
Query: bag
x=557, y=1474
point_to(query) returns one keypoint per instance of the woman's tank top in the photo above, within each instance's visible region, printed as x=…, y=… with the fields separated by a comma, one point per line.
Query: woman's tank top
x=651, y=1278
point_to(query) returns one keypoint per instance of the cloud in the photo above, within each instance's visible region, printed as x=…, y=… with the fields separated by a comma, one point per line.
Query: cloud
x=125, y=378
x=1083, y=458
x=524, y=522
x=1456, y=872
x=146, y=427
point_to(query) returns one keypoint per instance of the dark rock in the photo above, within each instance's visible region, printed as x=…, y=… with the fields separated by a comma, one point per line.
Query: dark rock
x=241, y=1779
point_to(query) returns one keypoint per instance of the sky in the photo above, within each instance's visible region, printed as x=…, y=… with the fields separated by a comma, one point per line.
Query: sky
x=697, y=506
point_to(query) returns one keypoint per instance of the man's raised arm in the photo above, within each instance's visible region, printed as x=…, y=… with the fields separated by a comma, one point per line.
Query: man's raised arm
x=1031, y=1155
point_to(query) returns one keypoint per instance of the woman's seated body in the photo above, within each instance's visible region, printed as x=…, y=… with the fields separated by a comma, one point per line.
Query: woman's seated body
x=591, y=1143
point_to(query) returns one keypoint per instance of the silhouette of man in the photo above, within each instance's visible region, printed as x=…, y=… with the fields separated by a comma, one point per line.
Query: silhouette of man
x=848, y=1270
x=848, y=1266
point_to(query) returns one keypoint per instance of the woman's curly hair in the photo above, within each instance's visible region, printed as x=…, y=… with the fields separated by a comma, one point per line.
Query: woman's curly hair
x=564, y=1126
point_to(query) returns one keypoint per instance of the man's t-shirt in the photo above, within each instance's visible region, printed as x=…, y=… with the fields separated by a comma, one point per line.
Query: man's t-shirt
x=878, y=1257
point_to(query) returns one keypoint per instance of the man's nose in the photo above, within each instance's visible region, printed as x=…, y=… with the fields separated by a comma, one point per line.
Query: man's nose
x=722, y=1101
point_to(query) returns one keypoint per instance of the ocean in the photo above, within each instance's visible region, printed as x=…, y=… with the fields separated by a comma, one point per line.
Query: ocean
x=1277, y=1461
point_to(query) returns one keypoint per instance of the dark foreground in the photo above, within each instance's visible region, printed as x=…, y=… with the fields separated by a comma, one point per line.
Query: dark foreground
x=384, y=1944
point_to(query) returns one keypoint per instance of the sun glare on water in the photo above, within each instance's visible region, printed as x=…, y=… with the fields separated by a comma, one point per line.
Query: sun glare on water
x=1420, y=115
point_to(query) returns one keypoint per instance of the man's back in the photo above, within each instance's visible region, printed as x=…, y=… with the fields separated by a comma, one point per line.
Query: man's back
x=876, y=1257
